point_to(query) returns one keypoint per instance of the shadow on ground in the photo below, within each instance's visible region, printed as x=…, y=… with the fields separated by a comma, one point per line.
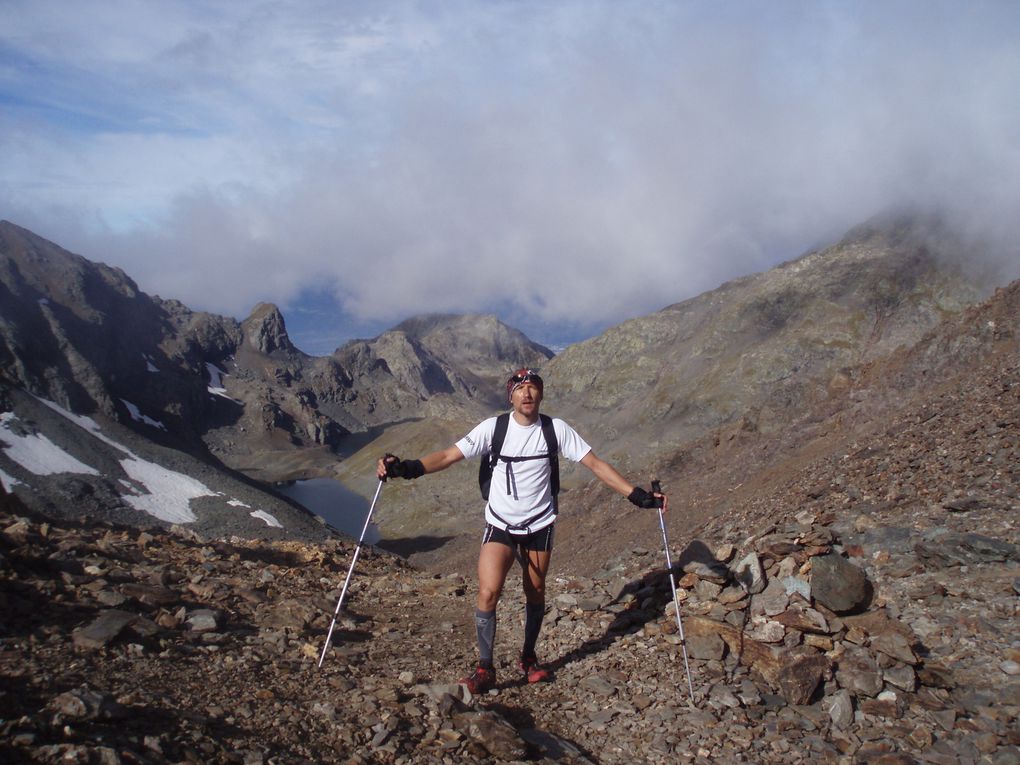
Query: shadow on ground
x=639, y=610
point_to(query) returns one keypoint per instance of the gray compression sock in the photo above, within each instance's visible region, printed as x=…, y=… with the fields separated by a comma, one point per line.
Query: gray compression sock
x=485, y=627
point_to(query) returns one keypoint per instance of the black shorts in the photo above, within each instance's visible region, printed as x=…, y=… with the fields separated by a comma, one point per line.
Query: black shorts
x=538, y=541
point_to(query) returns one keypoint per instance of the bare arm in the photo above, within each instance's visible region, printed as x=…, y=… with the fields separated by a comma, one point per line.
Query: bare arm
x=442, y=459
x=432, y=463
x=611, y=477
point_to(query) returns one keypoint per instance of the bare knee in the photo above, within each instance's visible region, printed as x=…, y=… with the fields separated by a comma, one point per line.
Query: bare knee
x=488, y=597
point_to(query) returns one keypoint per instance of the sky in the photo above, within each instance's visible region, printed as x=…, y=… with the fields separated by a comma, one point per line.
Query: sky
x=564, y=164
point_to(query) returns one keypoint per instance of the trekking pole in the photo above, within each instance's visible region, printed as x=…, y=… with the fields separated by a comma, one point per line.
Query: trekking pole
x=347, y=581
x=657, y=487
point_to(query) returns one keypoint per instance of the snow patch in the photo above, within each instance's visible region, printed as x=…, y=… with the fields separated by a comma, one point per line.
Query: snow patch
x=36, y=453
x=262, y=515
x=169, y=492
x=8, y=481
x=137, y=416
x=216, y=376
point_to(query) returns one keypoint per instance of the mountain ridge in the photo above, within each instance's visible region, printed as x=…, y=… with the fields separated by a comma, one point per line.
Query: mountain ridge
x=111, y=342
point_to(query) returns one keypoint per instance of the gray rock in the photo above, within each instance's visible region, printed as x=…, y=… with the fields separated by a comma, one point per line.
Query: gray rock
x=105, y=628
x=749, y=574
x=599, y=684
x=706, y=647
x=896, y=645
x=838, y=584
x=86, y=704
x=706, y=590
x=554, y=748
x=859, y=673
x=901, y=676
x=202, y=620
x=773, y=600
x=494, y=732
x=840, y=707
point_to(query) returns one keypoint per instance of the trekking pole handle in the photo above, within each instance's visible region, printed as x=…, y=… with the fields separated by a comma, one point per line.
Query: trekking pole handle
x=657, y=489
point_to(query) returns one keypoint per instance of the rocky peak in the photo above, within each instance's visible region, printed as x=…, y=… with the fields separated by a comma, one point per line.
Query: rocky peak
x=265, y=331
x=475, y=340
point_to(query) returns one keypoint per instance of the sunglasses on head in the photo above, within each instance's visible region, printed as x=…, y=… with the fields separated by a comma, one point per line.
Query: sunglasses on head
x=528, y=376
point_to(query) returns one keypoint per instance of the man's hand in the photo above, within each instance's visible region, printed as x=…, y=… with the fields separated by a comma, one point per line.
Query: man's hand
x=647, y=499
x=391, y=466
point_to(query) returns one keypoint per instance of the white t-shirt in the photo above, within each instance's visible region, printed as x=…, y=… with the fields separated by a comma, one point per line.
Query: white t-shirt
x=529, y=499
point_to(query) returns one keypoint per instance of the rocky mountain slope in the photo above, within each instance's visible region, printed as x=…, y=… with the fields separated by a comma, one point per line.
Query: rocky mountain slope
x=83, y=335
x=764, y=346
x=857, y=606
x=70, y=466
x=747, y=359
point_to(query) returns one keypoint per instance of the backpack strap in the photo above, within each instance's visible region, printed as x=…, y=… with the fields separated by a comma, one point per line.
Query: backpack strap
x=498, y=437
x=489, y=459
x=488, y=462
x=553, y=445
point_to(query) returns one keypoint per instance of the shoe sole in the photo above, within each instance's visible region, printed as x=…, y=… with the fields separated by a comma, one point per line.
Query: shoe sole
x=545, y=678
x=466, y=683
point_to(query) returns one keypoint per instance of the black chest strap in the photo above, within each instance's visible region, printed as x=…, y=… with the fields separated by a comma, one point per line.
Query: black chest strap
x=494, y=456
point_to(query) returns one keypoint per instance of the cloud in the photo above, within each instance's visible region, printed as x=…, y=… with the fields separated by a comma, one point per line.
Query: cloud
x=572, y=162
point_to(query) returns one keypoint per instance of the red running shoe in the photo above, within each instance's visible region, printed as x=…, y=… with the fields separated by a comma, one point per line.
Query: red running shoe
x=480, y=681
x=533, y=672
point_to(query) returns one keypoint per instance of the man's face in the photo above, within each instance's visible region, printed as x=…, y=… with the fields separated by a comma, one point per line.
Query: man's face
x=526, y=399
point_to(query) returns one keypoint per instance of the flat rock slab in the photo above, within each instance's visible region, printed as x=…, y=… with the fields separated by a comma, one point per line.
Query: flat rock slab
x=105, y=628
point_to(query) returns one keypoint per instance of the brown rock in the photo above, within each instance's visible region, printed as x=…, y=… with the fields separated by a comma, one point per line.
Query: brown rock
x=802, y=618
x=496, y=735
x=799, y=677
x=150, y=594
x=105, y=628
x=881, y=707
x=750, y=653
x=936, y=676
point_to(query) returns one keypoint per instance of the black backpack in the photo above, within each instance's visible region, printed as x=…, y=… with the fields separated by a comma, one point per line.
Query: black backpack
x=493, y=456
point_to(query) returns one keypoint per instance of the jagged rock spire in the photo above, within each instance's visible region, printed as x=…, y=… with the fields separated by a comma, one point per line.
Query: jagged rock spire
x=265, y=330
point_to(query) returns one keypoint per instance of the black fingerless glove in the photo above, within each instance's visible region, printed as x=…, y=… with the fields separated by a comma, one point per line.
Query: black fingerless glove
x=399, y=468
x=642, y=498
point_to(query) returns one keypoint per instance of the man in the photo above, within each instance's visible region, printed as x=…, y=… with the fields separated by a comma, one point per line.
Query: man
x=521, y=511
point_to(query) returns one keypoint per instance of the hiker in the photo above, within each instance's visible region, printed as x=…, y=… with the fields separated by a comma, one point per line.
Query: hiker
x=520, y=450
